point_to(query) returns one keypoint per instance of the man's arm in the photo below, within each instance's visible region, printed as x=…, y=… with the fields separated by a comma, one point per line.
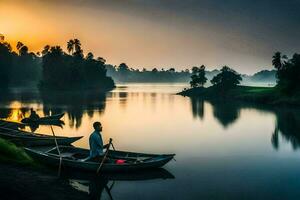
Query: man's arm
x=107, y=145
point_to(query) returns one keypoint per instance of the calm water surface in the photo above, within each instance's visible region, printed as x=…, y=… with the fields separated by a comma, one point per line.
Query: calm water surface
x=224, y=150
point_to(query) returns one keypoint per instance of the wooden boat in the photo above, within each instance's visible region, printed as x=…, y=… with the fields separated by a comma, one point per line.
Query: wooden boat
x=72, y=158
x=47, y=119
x=24, y=138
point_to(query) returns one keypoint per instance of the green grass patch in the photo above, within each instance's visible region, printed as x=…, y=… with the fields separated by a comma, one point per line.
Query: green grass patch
x=10, y=153
x=264, y=95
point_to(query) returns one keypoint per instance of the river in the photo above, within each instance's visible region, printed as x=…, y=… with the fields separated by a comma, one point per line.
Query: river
x=224, y=150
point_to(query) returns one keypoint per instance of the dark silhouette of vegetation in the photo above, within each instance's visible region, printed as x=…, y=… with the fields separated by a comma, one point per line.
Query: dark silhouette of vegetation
x=17, y=68
x=198, y=77
x=228, y=78
x=52, y=68
x=73, y=71
x=27, y=66
x=288, y=73
x=123, y=74
x=74, y=103
x=6, y=62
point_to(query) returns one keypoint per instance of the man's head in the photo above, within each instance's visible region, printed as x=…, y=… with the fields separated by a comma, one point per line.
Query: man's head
x=97, y=126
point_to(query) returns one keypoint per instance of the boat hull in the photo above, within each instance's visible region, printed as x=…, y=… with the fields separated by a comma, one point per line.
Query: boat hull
x=44, y=120
x=156, y=161
x=23, y=138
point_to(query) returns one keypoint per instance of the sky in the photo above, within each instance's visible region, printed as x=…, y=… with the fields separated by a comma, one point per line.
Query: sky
x=160, y=33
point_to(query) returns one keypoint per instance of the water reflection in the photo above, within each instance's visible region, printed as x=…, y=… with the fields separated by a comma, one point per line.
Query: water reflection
x=74, y=104
x=248, y=144
x=197, y=107
x=227, y=112
x=16, y=104
x=99, y=186
x=288, y=126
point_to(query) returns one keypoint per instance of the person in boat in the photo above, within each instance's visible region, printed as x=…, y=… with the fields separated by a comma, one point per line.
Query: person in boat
x=96, y=143
x=33, y=115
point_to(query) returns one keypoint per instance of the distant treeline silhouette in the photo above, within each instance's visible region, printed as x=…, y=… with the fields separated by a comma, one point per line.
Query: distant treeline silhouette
x=287, y=72
x=123, y=74
x=73, y=71
x=52, y=68
x=17, y=68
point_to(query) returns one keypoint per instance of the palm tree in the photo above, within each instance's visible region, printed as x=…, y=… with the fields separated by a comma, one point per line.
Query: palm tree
x=74, y=48
x=77, y=45
x=70, y=46
x=278, y=60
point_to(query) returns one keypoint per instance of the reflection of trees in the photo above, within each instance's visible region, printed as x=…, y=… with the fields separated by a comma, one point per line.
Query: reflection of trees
x=275, y=139
x=288, y=125
x=197, y=107
x=226, y=112
x=74, y=104
x=123, y=98
x=96, y=186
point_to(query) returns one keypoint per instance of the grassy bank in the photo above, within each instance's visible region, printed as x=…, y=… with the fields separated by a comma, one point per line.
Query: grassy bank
x=22, y=178
x=10, y=153
x=264, y=95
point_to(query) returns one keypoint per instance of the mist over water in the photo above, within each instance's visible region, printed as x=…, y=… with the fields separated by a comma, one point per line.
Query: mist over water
x=224, y=150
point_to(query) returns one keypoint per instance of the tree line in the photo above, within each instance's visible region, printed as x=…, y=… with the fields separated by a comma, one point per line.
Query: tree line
x=227, y=78
x=17, y=68
x=53, y=68
x=73, y=70
x=123, y=73
x=287, y=75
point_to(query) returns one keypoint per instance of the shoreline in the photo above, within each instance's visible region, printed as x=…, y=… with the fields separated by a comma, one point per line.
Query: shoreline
x=261, y=95
x=27, y=183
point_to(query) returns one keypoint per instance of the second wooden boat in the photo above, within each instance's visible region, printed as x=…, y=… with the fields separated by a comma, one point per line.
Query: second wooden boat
x=24, y=138
x=44, y=120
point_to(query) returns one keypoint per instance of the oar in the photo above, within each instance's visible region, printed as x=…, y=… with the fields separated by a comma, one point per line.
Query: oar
x=60, y=158
x=104, y=157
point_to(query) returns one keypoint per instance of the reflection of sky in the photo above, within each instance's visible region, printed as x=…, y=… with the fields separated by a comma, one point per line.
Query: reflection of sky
x=136, y=116
x=161, y=33
x=211, y=159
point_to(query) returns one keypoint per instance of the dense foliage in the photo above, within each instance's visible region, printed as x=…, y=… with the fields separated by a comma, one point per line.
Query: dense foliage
x=5, y=64
x=73, y=71
x=17, y=68
x=288, y=72
x=198, y=77
x=227, y=78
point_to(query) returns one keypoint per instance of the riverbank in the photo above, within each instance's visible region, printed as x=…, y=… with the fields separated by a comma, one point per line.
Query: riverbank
x=21, y=178
x=23, y=182
x=263, y=95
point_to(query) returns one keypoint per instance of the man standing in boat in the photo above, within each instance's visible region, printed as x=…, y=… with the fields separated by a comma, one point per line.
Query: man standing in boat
x=96, y=143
